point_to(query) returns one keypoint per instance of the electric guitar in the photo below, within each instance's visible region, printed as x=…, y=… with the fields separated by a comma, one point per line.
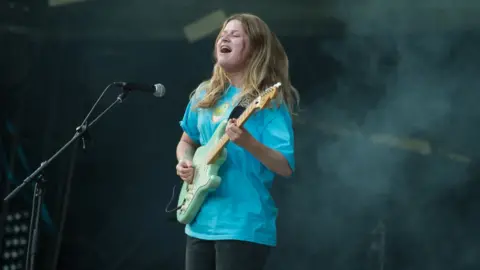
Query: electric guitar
x=208, y=159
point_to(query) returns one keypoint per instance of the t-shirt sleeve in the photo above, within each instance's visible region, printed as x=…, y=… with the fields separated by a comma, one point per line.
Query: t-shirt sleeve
x=278, y=134
x=189, y=122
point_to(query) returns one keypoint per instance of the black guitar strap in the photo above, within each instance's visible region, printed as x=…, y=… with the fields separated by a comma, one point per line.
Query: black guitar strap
x=240, y=108
x=236, y=112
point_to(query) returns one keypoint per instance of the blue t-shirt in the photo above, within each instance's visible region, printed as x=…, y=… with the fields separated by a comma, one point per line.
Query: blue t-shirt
x=241, y=208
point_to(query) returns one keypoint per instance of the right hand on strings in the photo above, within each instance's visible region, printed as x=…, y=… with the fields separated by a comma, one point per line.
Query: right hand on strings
x=185, y=170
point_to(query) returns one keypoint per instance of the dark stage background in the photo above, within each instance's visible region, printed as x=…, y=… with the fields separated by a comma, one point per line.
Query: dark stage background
x=386, y=139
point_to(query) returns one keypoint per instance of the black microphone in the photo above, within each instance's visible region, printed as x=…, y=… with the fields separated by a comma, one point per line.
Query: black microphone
x=157, y=90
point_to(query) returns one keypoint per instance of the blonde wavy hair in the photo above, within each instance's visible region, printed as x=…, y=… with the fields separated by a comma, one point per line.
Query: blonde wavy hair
x=266, y=65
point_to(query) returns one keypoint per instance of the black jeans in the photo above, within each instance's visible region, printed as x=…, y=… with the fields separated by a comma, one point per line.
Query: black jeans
x=225, y=255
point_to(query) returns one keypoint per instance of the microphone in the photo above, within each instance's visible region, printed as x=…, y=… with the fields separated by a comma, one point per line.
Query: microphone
x=157, y=90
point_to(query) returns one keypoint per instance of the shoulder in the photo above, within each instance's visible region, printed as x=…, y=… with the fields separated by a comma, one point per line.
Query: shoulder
x=273, y=117
x=278, y=110
x=200, y=91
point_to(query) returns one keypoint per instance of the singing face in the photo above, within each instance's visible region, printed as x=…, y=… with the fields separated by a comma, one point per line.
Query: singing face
x=232, y=47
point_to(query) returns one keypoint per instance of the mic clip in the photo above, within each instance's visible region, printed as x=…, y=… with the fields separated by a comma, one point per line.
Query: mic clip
x=121, y=97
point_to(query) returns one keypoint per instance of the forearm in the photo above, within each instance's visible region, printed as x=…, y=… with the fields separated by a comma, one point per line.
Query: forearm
x=272, y=159
x=185, y=150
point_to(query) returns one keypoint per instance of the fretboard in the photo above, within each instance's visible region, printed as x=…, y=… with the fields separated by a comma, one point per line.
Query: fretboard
x=224, y=139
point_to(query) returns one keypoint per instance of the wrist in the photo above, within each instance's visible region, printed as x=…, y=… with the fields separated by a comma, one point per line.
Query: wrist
x=184, y=159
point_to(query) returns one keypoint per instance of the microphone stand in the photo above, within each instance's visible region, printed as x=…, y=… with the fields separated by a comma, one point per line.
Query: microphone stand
x=81, y=132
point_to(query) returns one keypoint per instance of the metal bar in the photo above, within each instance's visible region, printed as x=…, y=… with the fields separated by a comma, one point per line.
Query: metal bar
x=4, y=190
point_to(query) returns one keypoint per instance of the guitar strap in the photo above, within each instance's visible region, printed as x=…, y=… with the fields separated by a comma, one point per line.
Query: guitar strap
x=240, y=108
x=236, y=112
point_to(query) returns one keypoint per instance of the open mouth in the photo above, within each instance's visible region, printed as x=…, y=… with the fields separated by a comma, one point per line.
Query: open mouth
x=225, y=49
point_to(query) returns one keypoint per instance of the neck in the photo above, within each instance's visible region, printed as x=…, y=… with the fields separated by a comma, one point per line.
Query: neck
x=236, y=79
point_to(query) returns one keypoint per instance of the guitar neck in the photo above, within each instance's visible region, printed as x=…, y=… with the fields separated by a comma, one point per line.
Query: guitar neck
x=224, y=139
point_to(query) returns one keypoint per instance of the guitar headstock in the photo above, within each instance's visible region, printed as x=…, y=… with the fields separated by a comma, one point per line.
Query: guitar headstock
x=268, y=95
